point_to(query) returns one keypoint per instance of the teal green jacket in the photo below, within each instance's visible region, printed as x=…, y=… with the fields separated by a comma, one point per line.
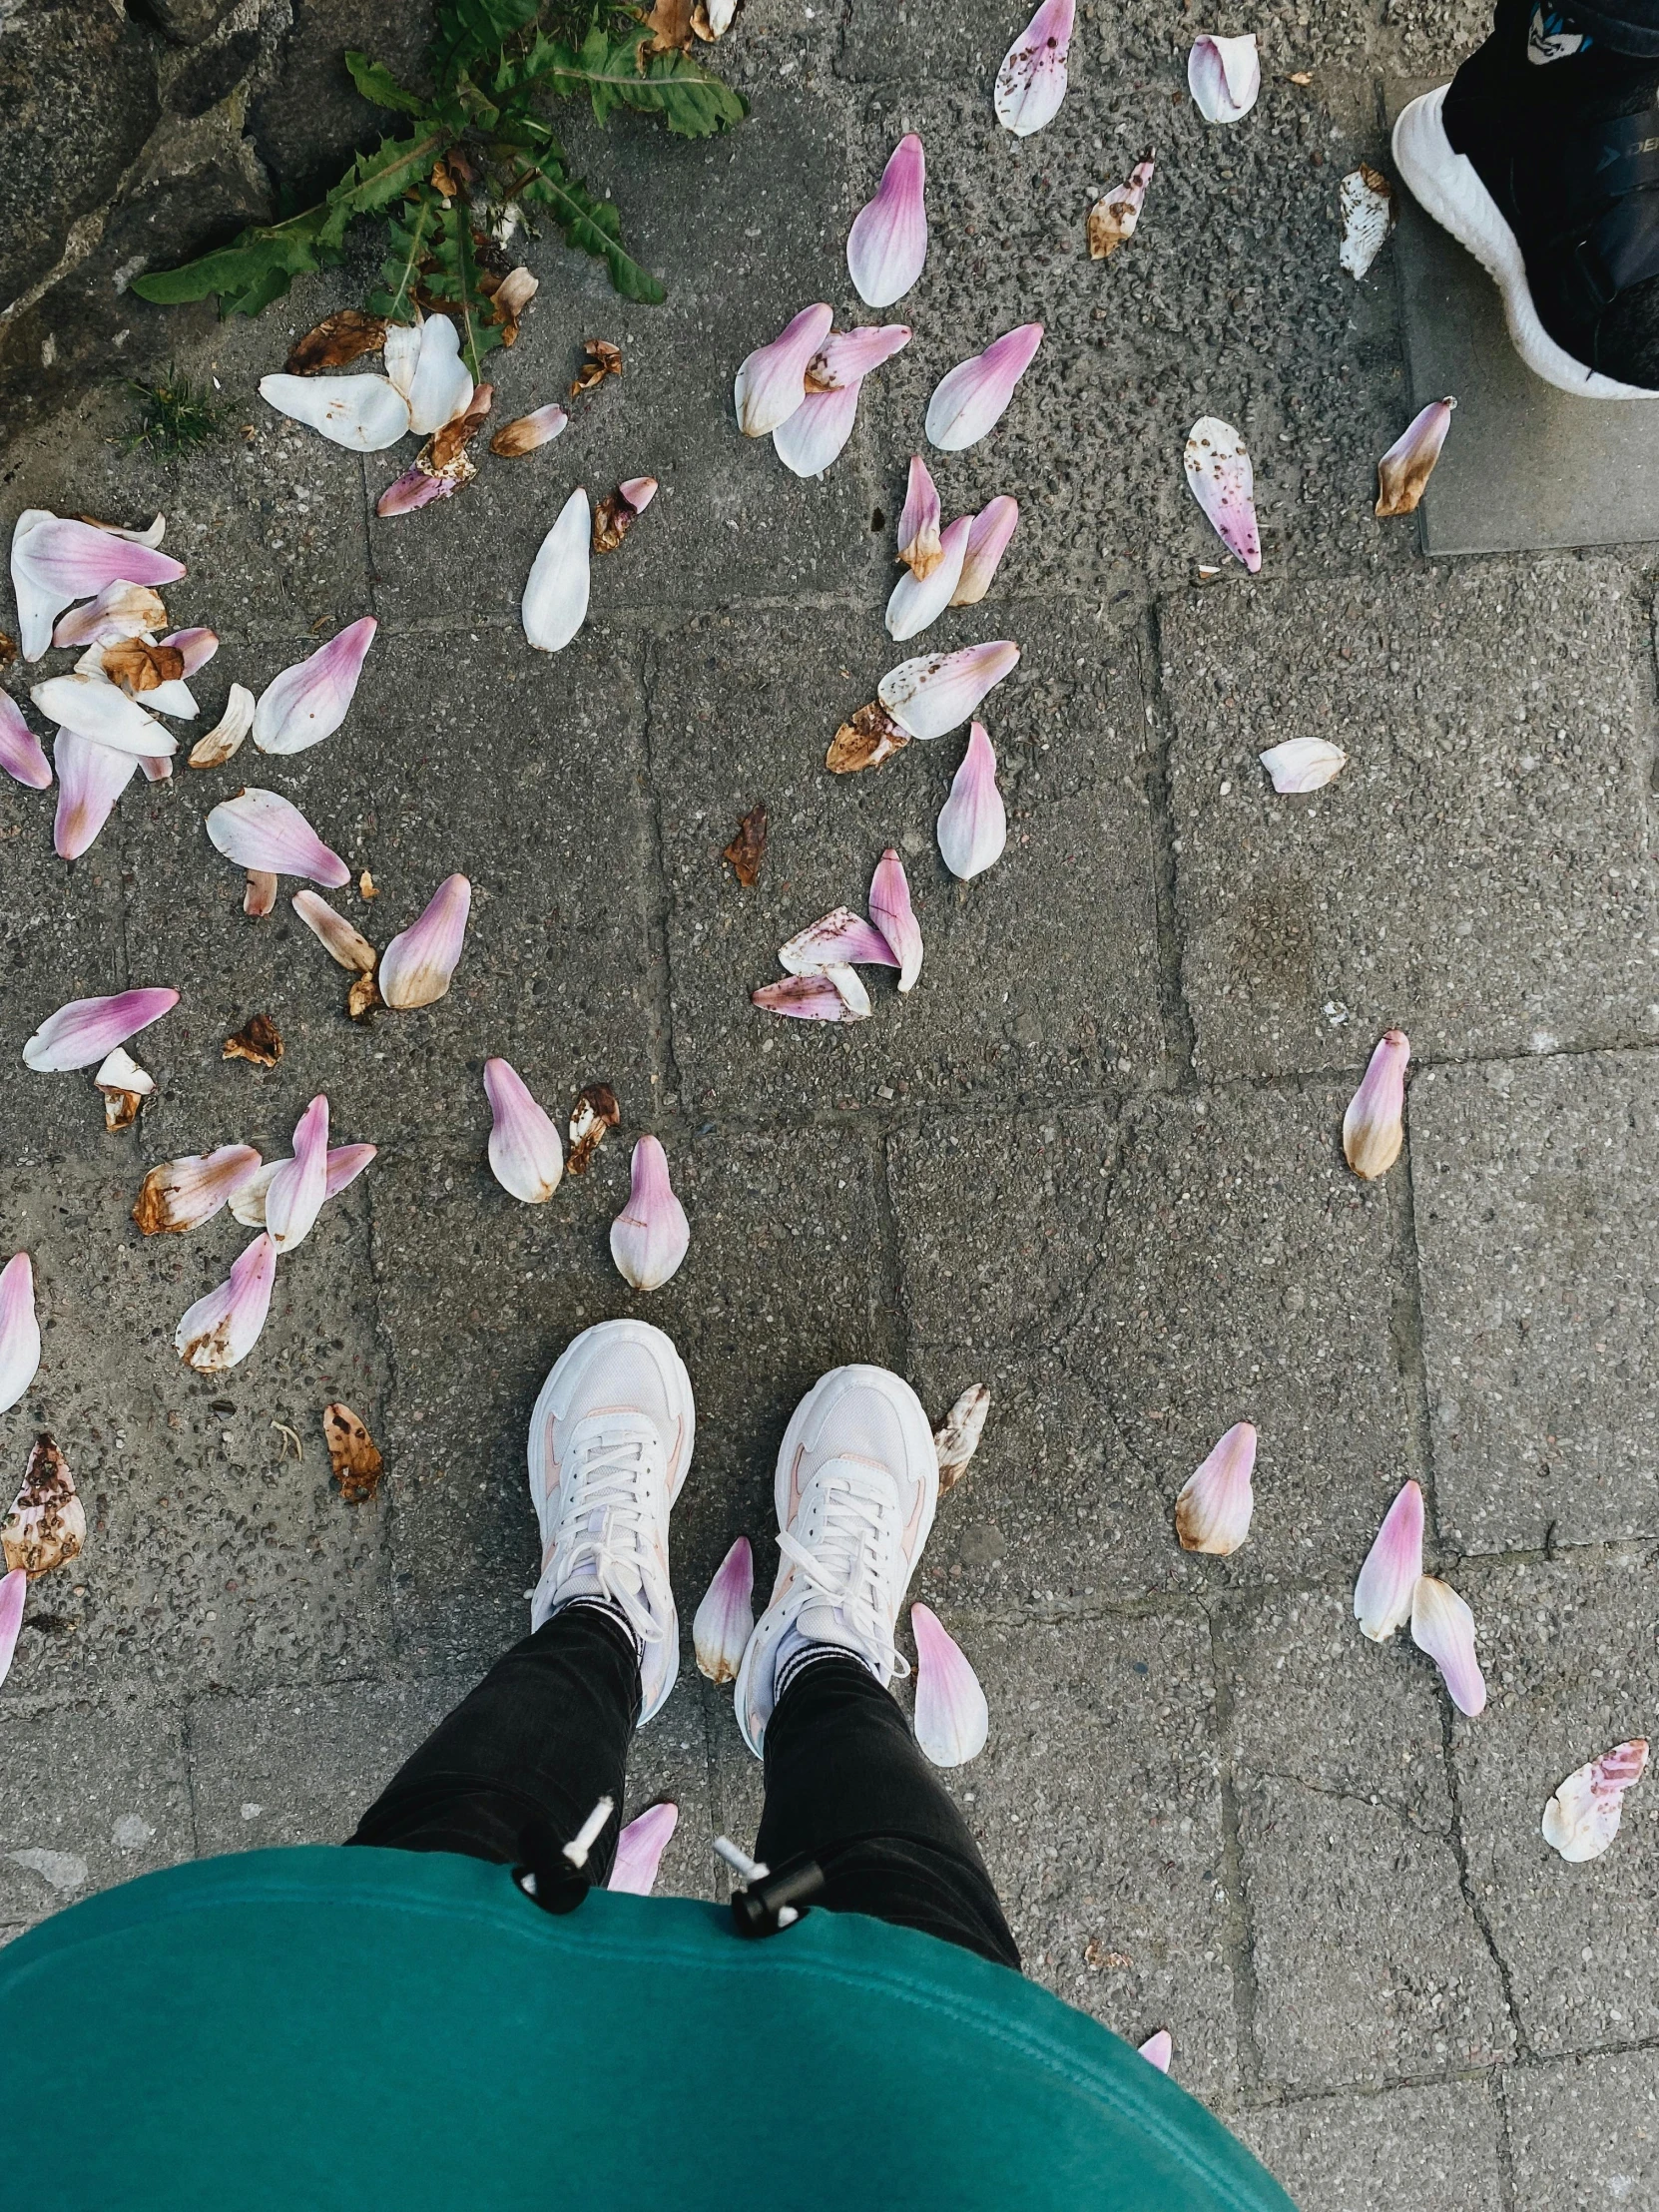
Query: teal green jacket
x=329, y=2031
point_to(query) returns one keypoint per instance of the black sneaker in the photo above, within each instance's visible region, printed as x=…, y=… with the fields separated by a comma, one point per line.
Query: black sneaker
x=1541, y=158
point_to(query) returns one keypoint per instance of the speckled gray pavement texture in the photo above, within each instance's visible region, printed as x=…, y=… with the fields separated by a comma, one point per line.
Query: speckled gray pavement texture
x=1093, y=1160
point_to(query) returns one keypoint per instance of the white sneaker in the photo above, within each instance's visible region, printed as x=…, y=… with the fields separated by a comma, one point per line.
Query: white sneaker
x=858, y=1483
x=610, y=1442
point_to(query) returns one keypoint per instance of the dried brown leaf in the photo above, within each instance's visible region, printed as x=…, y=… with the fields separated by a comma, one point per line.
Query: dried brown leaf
x=748, y=849
x=364, y=998
x=446, y=446
x=258, y=1040
x=337, y=340
x=138, y=667
x=595, y=1111
x=353, y=1453
x=870, y=738
x=121, y=1109
x=8, y=650
x=47, y=1524
x=613, y=518
x=670, y=25
x=366, y=887
x=600, y=358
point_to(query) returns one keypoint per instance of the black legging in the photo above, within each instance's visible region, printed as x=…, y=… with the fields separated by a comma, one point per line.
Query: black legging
x=1628, y=26
x=519, y=1765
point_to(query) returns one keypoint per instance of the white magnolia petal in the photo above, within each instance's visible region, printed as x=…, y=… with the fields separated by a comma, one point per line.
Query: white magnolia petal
x=91, y=778
x=1403, y=472
x=417, y=966
x=97, y=709
x=555, y=604
x=1221, y=479
x=364, y=414
x=1373, y=1127
x=831, y=993
x=80, y=1034
x=890, y=910
x=1158, y=2049
x=918, y=523
x=345, y=1163
x=1366, y=202
x=952, y=1719
x=222, y=1328
x=972, y=828
x=262, y=831
x=120, y=611
x=916, y=602
x=1303, y=763
x=1213, y=1512
x=936, y=692
x=969, y=401
x=223, y=738
x=839, y=941
x=888, y=244
x=817, y=431
x=726, y=1615
x=638, y=1851
x=1582, y=1818
x=294, y=1195
x=1443, y=1626
x=19, y=1330
x=57, y=560
x=119, y=1071
x=848, y=356
x=771, y=381
x=400, y=353
x=1116, y=215
x=181, y=1194
x=988, y=536
x=1224, y=76
x=309, y=701
x=648, y=1238
x=1032, y=80
x=198, y=646
x=956, y=1438
x=441, y=387
x=1383, y=1594
x=525, y=1154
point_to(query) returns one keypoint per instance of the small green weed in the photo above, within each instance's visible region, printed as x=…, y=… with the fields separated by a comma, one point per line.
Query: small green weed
x=175, y=416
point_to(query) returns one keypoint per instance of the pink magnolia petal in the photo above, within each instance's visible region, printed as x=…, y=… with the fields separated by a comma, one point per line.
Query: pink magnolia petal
x=818, y=430
x=120, y=611
x=13, y=1590
x=638, y=1851
x=1582, y=1818
x=848, y=356
x=19, y=1330
x=21, y=753
x=222, y=1328
x=1388, y=1583
x=300, y=1186
x=919, y=526
x=1443, y=1626
x=887, y=243
x=973, y=827
x=952, y=1720
x=180, y=1194
x=889, y=909
x=936, y=692
x=417, y=966
x=309, y=701
x=345, y=1163
x=198, y=647
x=1224, y=76
x=155, y=772
x=969, y=402
x=87, y=1030
x=56, y=561
x=831, y=993
x=639, y=491
x=1373, y=1127
x=1032, y=80
x=1220, y=477
x=648, y=1238
x=262, y=831
x=419, y=485
x=840, y=940
x=988, y=538
x=1158, y=2049
x=771, y=381
x=1212, y=1513
x=525, y=1154
x=1403, y=472
x=916, y=602
x=726, y=1614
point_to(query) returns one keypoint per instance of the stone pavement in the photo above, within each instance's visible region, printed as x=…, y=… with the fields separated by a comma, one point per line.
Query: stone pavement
x=1092, y=1161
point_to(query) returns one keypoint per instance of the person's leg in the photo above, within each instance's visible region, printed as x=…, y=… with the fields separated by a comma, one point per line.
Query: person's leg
x=847, y=1785
x=520, y=1764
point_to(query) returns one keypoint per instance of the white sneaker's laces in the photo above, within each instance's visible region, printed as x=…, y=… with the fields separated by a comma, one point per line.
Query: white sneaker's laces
x=848, y=1568
x=602, y=1529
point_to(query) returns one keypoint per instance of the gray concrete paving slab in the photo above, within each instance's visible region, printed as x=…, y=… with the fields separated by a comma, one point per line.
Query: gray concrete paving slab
x=213, y=1555
x=95, y=1793
x=743, y=708
x=1393, y=2152
x=1569, y=1649
x=1530, y=1180
x=1482, y=871
x=1367, y=1963
x=1098, y=1807
x=1585, y=2131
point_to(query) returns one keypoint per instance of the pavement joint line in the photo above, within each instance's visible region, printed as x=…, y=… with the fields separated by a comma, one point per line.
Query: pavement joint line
x=394, y=1387
x=1509, y=2195
x=1466, y=1884
x=1408, y=1329
x=659, y=900
x=1241, y=1933
x=1175, y=1015
x=896, y=1335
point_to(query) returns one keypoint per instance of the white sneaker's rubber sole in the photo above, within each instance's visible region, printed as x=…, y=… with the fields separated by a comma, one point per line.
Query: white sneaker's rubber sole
x=553, y=1405
x=757, y=1652
x=1447, y=185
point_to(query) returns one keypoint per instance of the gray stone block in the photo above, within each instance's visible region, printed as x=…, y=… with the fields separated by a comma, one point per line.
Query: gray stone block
x=1395, y=2152
x=1585, y=2131
x=1538, y=1299
x=95, y=1793
x=1569, y=1653
x=1480, y=873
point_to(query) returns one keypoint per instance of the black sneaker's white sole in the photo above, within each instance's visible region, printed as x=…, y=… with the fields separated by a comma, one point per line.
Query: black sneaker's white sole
x=1447, y=185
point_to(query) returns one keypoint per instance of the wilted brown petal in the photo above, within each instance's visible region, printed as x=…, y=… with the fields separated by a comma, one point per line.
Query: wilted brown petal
x=595, y=1111
x=261, y=894
x=956, y=1438
x=600, y=358
x=611, y=520
x=8, y=650
x=509, y=299
x=138, y=667
x=338, y=339
x=529, y=432
x=257, y=1041
x=353, y=1453
x=444, y=447
x=47, y=1524
x=364, y=998
x=366, y=887
x=748, y=849
x=217, y=747
x=870, y=738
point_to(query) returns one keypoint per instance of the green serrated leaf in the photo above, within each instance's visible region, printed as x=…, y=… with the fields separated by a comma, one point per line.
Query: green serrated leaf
x=248, y=273
x=470, y=29
x=375, y=81
x=375, y=179
x=593, y=227
x=612, y=72
x=409, y=238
